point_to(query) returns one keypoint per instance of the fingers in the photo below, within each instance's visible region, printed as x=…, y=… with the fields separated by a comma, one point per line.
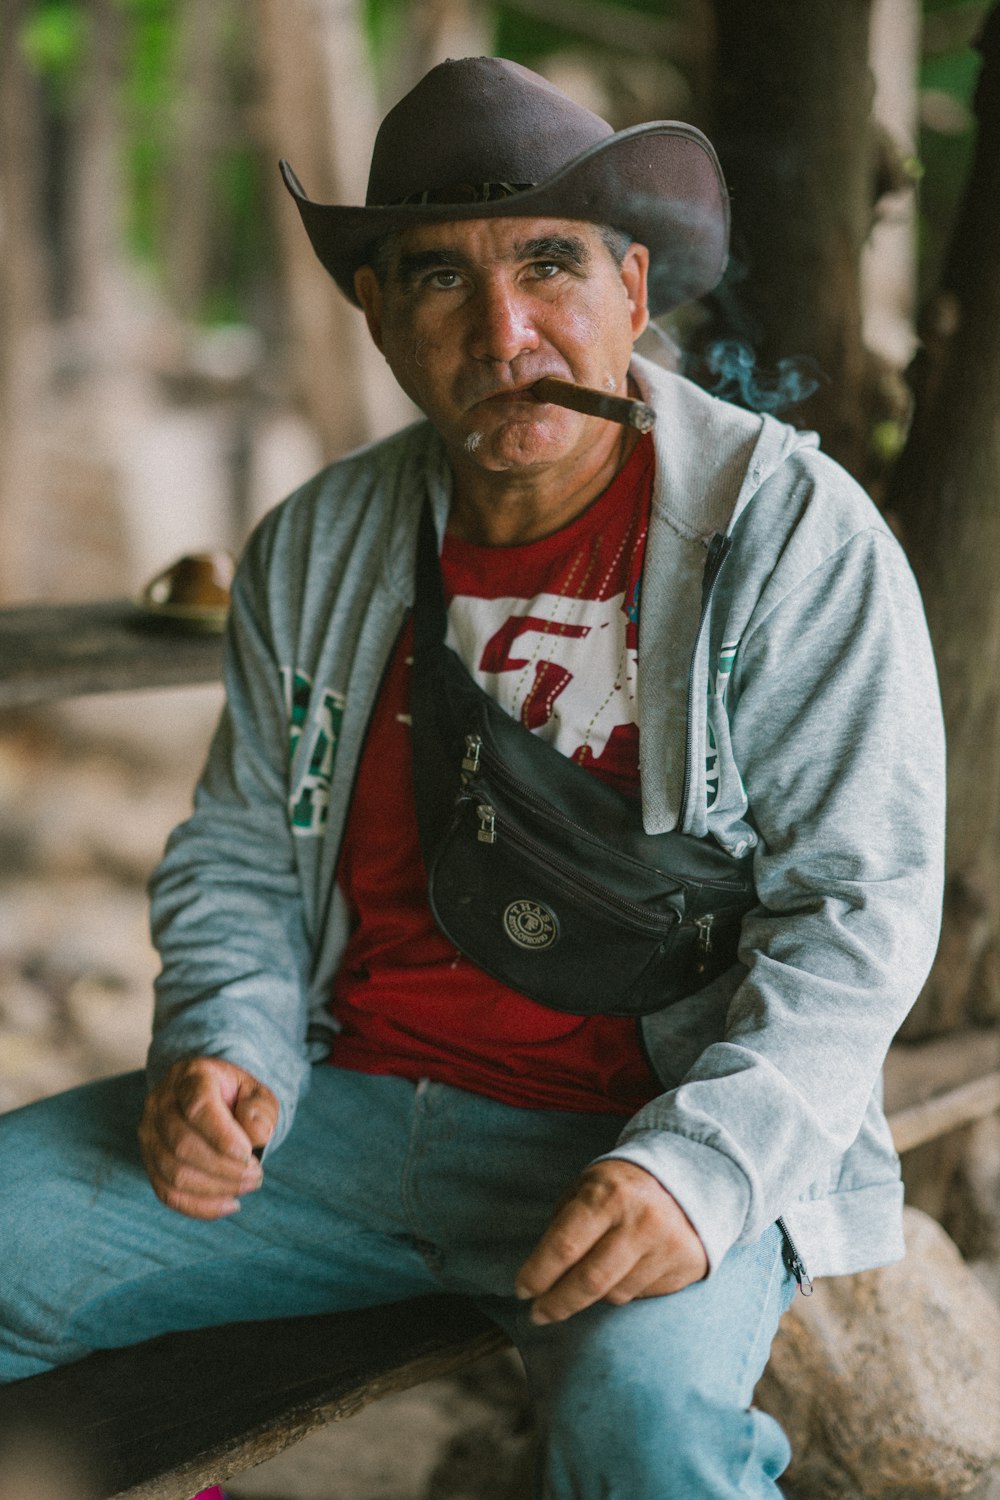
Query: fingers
x=197, y=1152
x=256, y=1111
x=205, y=1096
x=620, y=1236
x=594, y=1277
x=576, y=1228
x=189, y=1177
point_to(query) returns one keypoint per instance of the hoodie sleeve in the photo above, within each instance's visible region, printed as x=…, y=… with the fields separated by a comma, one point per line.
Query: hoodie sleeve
x=836, y=729
x=227, y=913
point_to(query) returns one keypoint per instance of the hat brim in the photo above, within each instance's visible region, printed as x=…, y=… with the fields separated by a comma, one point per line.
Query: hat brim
x=660, y=182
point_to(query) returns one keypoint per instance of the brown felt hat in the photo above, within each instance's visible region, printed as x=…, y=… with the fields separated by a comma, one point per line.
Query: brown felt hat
x=484, y=138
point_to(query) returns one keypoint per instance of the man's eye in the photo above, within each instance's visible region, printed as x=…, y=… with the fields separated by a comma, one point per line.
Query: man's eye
x=544, y=270
x=442, y=281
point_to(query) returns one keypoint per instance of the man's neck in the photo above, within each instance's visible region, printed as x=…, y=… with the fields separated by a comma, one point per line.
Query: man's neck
x=502, y=509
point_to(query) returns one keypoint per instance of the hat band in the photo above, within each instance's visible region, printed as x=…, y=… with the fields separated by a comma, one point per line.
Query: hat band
x=463, y=192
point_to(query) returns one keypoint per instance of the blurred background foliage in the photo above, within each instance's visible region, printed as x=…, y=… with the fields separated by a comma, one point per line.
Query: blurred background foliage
x=948, y=73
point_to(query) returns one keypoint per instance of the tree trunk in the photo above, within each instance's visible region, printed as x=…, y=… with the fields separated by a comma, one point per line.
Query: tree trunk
x=201, y=125
x=945, y=493
x=25, y=281
x=319, y=112
x=795, y=136
x=428, y=32
x=95, y=227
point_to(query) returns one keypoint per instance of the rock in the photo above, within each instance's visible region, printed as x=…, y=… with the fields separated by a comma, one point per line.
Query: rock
x=492, y=1458
x=888, y=1383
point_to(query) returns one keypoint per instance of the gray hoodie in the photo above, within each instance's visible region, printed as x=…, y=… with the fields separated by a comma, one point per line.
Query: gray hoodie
x=795, y=713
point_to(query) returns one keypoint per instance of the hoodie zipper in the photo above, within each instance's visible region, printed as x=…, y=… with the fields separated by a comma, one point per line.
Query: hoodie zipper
x=719, y=548
x=793, y=1260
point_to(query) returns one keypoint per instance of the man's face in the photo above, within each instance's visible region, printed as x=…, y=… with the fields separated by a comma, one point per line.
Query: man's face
x=473, y=312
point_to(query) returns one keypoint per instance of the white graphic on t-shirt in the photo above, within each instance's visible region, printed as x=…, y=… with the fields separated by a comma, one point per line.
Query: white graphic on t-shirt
x=561, y=665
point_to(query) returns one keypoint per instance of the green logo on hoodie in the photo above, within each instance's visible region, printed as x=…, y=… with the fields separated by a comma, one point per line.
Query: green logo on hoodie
x=718, y=685
x=309, y=802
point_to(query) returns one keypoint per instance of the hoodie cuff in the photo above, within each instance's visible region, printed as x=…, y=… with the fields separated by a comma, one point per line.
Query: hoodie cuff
x=711, y=1189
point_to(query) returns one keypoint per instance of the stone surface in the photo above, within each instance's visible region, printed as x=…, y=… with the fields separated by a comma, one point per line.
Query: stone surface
x=888, y=1383
x=463, y=1437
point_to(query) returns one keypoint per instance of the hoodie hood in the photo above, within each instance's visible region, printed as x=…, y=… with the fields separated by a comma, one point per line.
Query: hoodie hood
x=711, y=456
x=712, y=460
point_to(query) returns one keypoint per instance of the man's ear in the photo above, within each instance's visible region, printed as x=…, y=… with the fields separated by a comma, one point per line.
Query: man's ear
x=634, y=274
x=369, y=294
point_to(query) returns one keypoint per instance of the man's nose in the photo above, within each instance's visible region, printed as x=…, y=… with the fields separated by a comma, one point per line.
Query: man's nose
x=503, y=324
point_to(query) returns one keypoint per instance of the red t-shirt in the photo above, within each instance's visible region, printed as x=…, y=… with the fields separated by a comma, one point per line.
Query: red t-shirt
x=550, y=630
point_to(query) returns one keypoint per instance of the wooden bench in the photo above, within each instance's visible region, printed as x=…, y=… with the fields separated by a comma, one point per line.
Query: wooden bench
x=166, y=1418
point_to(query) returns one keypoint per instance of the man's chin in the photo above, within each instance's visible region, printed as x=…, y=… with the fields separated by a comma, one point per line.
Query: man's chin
x=522, y=443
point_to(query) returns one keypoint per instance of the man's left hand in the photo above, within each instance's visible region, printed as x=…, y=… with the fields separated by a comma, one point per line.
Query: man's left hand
x=616, y=1235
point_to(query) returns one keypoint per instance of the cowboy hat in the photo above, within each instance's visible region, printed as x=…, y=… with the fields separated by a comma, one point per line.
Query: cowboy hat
x=482, y=137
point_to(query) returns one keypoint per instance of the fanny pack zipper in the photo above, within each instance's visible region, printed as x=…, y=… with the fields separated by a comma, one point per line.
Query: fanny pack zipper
x=478, y=753
x=492, y=825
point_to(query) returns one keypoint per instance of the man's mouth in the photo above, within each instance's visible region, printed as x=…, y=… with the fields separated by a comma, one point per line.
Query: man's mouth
x=516, y=395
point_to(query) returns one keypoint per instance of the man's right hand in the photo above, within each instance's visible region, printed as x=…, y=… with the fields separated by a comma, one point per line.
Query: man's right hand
x=198, y=1132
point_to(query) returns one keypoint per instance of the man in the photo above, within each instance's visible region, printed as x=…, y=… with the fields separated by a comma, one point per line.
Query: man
x=632, y=1201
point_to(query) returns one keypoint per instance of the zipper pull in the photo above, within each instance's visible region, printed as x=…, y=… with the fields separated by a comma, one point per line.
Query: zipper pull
x=473, y=750
x=487, y=823
x=704, y=926
x=798, y=1269
x=794, y=1262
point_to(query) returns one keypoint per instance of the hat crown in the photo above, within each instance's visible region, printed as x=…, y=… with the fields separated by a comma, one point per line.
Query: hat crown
x=473, y=120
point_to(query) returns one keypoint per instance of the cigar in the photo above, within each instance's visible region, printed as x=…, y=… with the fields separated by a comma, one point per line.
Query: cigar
x=624, y=409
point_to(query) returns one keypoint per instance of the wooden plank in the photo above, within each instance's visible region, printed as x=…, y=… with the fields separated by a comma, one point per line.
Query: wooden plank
x=943, y=1113
x=61, y=650
x=915, y=1071
x=940, y=1085
x=169, y=1417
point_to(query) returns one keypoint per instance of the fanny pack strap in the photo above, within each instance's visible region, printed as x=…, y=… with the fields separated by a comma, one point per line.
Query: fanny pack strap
x=436, y=749
x=430, y=616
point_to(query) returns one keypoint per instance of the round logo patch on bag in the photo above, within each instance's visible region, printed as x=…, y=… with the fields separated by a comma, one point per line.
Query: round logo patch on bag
x=529, y=924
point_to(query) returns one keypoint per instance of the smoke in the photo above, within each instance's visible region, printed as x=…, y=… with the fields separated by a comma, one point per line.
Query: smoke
x=732, y=365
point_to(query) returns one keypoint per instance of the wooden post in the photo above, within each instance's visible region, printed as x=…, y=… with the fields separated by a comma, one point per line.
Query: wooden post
x=944, y=493
x=319, y=112
x=794, y=133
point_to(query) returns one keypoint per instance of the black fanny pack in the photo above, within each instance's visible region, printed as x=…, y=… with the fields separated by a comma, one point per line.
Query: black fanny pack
x=539, y=872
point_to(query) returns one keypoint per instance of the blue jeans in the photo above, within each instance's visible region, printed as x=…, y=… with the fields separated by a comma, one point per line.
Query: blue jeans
x=385, y=1190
